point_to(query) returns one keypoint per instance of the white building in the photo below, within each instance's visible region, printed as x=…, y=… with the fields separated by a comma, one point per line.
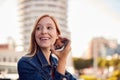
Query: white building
x=8, y=60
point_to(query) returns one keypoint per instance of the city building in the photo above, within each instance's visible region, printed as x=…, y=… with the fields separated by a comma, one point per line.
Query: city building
x=8, y=59
x=102, y=47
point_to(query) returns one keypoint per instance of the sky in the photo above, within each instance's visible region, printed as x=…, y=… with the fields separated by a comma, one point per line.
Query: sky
x=8, y=20
x=92, y=18
x=86, y=19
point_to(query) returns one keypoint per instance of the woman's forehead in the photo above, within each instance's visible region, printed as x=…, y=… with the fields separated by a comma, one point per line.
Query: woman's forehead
x=46, y=20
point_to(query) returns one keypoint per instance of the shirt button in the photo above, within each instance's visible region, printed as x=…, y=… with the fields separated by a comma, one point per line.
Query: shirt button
x=64, y=79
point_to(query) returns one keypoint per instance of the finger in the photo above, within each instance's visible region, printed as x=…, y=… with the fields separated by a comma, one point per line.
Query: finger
x=68, y=44
x=68, y=47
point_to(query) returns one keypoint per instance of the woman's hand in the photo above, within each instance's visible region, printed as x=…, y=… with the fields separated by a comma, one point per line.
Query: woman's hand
x=63, y=53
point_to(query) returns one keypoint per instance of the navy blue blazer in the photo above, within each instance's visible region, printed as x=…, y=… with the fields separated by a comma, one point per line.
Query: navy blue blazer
x=37, y=68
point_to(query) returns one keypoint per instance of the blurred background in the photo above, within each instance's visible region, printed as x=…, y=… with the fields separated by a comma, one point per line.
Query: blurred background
x=92, y=26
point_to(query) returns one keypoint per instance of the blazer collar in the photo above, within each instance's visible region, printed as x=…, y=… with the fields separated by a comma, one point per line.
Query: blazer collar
x=43, y=60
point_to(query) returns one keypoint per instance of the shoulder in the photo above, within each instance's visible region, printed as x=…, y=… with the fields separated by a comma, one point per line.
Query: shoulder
x=25, y=65
x=24, y=60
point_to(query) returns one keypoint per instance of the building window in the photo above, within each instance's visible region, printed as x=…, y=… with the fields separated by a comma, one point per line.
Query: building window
x=15, y=59
x=4, y=59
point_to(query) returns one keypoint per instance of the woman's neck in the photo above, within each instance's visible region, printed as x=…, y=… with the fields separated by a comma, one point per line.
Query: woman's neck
x=46, y=53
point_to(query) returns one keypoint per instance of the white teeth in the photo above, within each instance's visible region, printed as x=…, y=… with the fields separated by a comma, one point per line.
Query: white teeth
x=44, y=38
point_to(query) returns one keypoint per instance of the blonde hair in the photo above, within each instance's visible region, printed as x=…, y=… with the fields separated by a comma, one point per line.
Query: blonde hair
x=33, y=48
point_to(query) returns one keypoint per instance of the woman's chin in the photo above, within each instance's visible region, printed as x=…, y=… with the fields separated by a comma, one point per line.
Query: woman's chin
x=45, y=47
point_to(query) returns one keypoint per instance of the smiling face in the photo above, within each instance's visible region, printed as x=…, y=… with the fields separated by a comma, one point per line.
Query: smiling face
x=45, y=32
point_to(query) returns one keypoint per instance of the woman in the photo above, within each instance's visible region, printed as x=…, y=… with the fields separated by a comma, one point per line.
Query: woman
x=40, y=64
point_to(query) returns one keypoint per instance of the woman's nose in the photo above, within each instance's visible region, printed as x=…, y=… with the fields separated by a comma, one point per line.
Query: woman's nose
x=44, y=30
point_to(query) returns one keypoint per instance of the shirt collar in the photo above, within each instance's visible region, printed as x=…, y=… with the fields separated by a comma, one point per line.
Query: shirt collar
x=43, y=60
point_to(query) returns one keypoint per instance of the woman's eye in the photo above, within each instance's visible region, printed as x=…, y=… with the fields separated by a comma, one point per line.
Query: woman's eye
x=37, y=28
x=49, y=27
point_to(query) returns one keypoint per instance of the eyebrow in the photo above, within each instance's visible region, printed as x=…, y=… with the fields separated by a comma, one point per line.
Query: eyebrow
x=47, y=24
x=38, y=24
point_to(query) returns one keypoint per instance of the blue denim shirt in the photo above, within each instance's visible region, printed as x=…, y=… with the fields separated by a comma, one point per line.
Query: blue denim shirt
x=37, y=68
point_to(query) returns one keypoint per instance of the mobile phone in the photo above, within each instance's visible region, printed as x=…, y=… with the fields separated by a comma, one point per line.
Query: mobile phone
x=60, y=43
